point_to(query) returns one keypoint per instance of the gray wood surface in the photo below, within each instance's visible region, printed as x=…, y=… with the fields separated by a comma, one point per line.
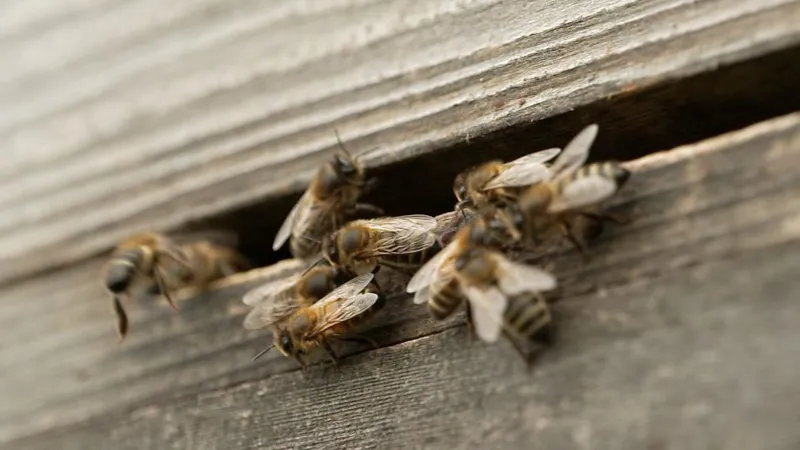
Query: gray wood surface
x=679, y=332
x=123, y=117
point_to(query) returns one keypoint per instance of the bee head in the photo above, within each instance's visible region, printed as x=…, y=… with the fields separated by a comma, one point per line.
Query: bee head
x=121, y=270
x=319, y=282
x=344, y=165
x=284, y=342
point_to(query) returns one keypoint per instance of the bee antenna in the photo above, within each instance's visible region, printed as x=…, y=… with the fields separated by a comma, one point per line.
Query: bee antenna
x=341, y=144
x=263, y=352
x=314, y=264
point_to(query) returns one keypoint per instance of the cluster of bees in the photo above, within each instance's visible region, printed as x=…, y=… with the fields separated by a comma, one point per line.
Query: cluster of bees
x=460, y=257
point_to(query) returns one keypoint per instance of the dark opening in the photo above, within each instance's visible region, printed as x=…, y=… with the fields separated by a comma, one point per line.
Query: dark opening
x=631, y=125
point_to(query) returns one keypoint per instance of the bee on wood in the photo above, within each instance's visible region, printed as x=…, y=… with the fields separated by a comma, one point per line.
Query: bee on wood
x=165, y=264
x=495, y=182
x=332, y=317
x=274, y=302
x=330, y=197
x=403, y=243
x=570, y=190
x=470, y=268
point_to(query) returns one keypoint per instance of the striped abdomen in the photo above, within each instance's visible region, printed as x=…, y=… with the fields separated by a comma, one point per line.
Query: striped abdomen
x=122, y=268
x=609, y=169
x=410, y=262
x=527, y=315
x=444, y=298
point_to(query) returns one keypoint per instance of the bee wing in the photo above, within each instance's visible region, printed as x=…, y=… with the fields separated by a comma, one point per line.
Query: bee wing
x=271, y=310
x=426, y=274
x=421, y=296
x=348, y=309
x=583, y=192
x=298, y=212
x=575, y=153
x=487, y=309
x=403, y=234
x=261, y=293
x=524, y=171
x=349, y=289
x=517, y=278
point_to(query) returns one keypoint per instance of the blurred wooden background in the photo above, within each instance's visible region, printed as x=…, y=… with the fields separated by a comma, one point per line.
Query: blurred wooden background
x=678, y=333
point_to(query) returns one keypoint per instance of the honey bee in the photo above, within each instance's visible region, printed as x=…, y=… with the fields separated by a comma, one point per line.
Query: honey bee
x=403, y=243
x=169, y=263
x=495, y=182
x=330, y=197
x=272, y=303
x=470, y=268
x=332, y=317
x=570, y=190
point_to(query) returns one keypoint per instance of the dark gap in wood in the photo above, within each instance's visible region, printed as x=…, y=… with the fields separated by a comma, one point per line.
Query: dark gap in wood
x=635, y=123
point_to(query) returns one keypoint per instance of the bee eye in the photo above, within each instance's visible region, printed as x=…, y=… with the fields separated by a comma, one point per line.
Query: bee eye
x=344, y=166
x=286, y=344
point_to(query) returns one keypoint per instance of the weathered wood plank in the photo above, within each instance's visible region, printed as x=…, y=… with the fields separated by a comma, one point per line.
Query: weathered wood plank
x=681, y=312
x=139, y=116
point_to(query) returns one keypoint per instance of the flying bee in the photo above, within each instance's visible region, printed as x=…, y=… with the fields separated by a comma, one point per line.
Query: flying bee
x=403, y=243
x=169, y=263
x=470, y=269
x=274, y=302
x=332, y=317
x=571, y=190
x=331, y=196
x=495, y=182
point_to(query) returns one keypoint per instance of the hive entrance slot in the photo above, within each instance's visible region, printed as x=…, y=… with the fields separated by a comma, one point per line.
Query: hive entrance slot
x=632, y=124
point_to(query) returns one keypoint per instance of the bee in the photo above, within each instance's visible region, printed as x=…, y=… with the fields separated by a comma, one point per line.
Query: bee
x=403, y=243
x=330, y=197
x=272, y=303
x=570, y=190
x=169, y=263
x=332, y=317
x=495, y=182
x=470, y=268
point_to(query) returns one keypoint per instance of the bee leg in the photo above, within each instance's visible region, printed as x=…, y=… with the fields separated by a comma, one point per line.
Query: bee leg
x=566, y=231
x=122, y=318
x=301, y=362
x=331, y=354
x=369, y=185
x=470, y=323
x=162, y=286
x=359, y=339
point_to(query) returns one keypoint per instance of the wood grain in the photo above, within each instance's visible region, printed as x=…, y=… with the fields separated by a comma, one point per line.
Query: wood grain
x=678, y=332
x=145, y=116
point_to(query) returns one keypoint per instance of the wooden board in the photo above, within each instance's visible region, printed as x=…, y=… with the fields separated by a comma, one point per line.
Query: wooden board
x=145, y=116
x=678, y=332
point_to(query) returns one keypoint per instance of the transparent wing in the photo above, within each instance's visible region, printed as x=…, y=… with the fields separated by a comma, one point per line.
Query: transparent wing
x=529, y=169
x=403, y=234
x=288, y=224
x=271, y=310
x=516, y=278
x=426, y=274
x=542, y=156
x=349, y=289
x=348, y=309
x=487, y=309
x=575, y=153
x=421, y=296
x=261, y=293
x=583, y=192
